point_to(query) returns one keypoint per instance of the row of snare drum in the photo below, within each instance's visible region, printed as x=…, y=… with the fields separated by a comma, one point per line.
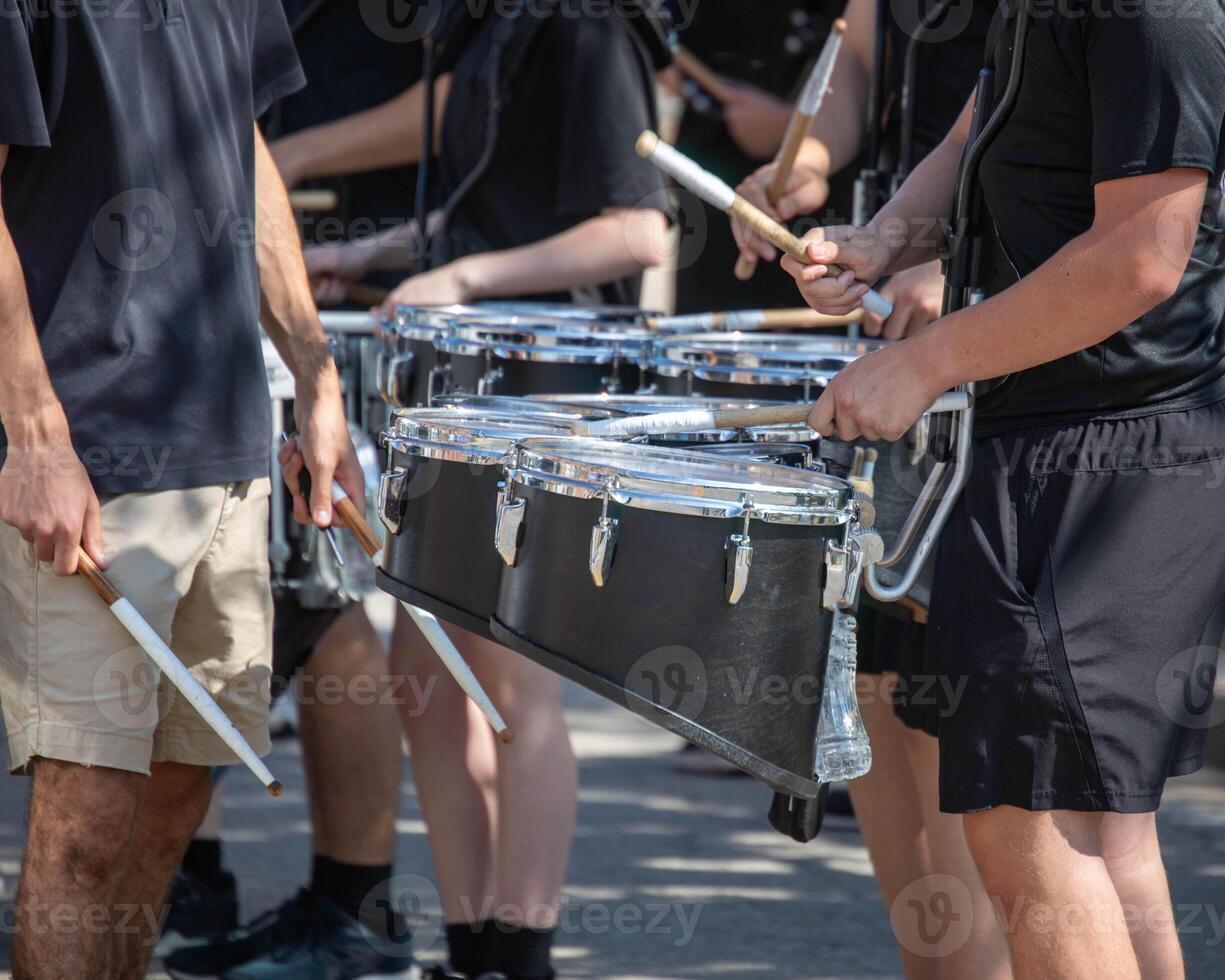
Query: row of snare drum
x=428, y=353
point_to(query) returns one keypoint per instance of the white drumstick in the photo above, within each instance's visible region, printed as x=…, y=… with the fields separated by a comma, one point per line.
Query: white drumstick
x=750, y=320
x=717, y=193
x=430, y=628
x=703, y=420
x=173, y=670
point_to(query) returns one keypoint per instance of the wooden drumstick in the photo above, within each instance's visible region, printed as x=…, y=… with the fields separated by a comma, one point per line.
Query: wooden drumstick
x=718, y=194
x=319, y=199
x=704, y=419
x=357, y=292
x=426, y=622
x=173, y=670
x=693, y=66
x=800, y=317
x=806, y=109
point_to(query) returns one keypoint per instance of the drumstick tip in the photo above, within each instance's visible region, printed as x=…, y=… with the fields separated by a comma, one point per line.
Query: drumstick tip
x=507, y=736
x=645, y=146
x=839, y=26
x=275, y=788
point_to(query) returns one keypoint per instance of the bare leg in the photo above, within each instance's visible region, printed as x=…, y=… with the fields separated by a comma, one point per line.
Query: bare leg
x=80, y=829
x=1133, y=859
x=537, y=780
x=350, y=739
x=174, y=804
x=984, y=955
x=454, y=763
x=1048, y=873
x=887, y=808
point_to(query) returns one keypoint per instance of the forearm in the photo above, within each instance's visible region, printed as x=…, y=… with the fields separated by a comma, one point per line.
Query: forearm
x=914, y=222
x=1089, y=290
x=603, y=249
x=29, y=407
x=287, y=311
x=387, y=135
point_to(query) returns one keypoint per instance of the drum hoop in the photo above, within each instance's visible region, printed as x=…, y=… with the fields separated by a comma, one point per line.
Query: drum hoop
x=827, y=502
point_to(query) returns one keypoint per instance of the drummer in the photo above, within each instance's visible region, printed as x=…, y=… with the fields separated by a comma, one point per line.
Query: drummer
x=549, y=202
x=1107, y=408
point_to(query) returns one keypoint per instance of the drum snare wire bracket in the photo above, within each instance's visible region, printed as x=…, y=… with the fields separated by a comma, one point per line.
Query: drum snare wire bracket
x=426, y=622
x=719, y=194
x=172, y=669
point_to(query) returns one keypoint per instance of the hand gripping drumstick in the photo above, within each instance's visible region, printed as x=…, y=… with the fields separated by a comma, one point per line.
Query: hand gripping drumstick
x=806, y=110
x=701, y=420
x=751, y=320
x=426, y=622
x=717, y=194
x=173, y=670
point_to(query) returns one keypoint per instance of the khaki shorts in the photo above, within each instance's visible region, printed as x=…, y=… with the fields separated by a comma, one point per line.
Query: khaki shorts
x=75, y=686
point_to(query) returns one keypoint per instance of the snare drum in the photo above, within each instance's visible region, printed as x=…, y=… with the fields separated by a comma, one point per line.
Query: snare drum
x=797, y=368
x=516, y=356
x=438, y=502
x=566, y=311
x=685, y=587
x=408, y=373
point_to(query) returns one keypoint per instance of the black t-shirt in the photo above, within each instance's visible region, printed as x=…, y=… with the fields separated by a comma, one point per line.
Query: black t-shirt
x=770, y=44
x=1139, y=91
x=574, y=92
x=948, y=56
x=351, y=65
x=129, y=192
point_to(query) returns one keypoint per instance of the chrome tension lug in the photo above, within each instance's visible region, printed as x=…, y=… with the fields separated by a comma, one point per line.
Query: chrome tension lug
x=391, y=497
x=603, y=548
x=739, y=549
x=508, y=530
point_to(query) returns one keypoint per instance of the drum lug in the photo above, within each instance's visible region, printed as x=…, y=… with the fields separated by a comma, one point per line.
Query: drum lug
x=488, y=381
x=508, y=531
x=739, y=549
x=845, y=564
x=391, y=498
x=439, y=382
x=603, y=547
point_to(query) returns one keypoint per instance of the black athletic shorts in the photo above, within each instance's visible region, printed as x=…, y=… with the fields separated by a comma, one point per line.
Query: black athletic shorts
x=296, y=631
x=1076, y=613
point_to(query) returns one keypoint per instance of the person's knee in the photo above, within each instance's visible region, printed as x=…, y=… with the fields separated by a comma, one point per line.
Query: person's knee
x=1128, y=840
x=81, y=821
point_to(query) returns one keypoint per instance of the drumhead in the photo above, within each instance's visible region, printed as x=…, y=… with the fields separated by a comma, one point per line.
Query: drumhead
x=468, y=435
x=516, y=404
x=554, y=341
x=653, y=404
x=681, y=481
x=752, y=358
x=567, y=311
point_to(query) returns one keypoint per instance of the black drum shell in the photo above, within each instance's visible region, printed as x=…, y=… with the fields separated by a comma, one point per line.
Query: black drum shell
x=442, y=558
x=664, y=598
x=524, y=377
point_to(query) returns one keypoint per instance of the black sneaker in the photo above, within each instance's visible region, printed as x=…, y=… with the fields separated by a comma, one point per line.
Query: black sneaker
x=241, y=945
x=199, y=910
x=334, y=947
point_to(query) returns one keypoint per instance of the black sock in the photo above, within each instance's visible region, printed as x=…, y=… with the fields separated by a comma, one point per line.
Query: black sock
x=472, y=946
x=523, y=952
x=358, y=890
x=203, y=860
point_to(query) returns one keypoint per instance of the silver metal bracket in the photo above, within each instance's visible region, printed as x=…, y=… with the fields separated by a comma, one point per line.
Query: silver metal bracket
x=391, y=497
x=739, y=548
x=508, y=531
x=438, y=383
x=603, y=544
x=845, y=565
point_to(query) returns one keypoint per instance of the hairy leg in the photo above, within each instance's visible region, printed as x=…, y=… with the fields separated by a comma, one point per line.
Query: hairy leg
x=80, y=830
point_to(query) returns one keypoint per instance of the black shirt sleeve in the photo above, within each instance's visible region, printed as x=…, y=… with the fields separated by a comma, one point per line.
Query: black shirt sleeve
x=1155, y=83
x=275, y=71
x=22, y=122
x=606, y=107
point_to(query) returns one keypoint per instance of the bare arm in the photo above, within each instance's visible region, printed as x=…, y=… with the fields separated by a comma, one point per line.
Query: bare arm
x=44, y=490
x=611, y=246
x=387, y=135
x=1129, y=261
x=289, y=317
